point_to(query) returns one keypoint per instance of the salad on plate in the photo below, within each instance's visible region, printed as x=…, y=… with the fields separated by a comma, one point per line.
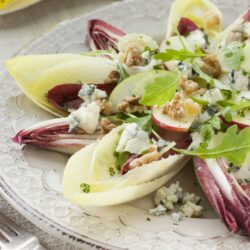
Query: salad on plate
x=132, y=112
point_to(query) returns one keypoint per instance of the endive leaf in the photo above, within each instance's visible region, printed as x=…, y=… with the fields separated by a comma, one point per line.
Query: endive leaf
x=36, y=74
x=115, y=190
x=202, y=12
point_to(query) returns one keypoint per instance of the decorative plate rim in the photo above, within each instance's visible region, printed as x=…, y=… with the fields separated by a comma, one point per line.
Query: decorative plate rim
x=33, y=214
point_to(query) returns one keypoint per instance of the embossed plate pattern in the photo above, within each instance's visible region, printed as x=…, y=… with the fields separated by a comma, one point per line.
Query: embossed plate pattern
x=30, y=179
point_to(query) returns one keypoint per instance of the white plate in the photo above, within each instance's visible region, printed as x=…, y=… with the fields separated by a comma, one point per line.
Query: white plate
x=30, y=179
x=18, y=5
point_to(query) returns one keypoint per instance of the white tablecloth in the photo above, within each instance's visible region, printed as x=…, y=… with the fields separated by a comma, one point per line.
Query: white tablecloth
x=16, y=30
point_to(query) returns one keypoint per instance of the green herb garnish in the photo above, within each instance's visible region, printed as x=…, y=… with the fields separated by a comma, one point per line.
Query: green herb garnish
x=233, y=146
x=180, y=55
x=144, y=122
x=233, y=55
x=123, y=73
x=85, y=187
x=111, y=171
x=161, y=90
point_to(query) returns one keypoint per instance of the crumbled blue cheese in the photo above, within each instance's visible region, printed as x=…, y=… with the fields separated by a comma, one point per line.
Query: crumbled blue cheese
x=89, y=93
x=197, y=139
x=191, y=197
x=239, y=80
x=86, y=118
x=243, y=173
x=196, y=38
x=177, y=217
x=159, y=210
x=213, y=96
x=186, y=69
x=183, y=204
x=169, y=196
x=133, y=139
x=204, y=117
x=190, y=209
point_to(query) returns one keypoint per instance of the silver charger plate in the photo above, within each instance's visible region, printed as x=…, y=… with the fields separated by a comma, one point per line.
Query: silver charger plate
x=30, y=178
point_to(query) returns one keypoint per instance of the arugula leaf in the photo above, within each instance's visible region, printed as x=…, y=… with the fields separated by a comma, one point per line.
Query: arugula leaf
x=144, y=122
x=119, y=117
x=121, y=158
x=180, y=55
x=232, y=146
x=208, y=130
x=244, y=104
x=123, y=73
x=233, y=55
x=161, y=90
x=227, y=112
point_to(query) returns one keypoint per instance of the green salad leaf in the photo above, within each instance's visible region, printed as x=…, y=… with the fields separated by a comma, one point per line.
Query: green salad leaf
x=161, y=90
x=144, y=122
x=121, y=158
x=233, y=146
x=233, y=108
x=180, y=55
x=244, y=104
x=233, y=55
x=123, y=73
x=208, y=130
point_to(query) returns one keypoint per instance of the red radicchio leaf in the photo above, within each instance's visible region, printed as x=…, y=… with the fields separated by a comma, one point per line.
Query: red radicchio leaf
x=65, y=96
x=246, y=17
x=182, y=140
x=54, y=135
x=103, y=36
x=186, y=26
x=125, y=168
x=233, y=210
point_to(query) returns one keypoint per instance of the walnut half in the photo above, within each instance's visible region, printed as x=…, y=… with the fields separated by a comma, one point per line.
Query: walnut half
x=106, y=126
x=188, y=86
x=175, y=108
x=151, y=155
x=211, y=66
x=131, y=105
x=113, y=77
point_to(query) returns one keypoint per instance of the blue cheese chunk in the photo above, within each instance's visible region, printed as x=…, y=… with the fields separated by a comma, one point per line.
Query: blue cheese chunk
x=239, y=80
x=181, y=204
x=133, y=139
x=158, y=211
x=177, y=217
x=196, y=39
x=169, y=196
x=89, y=93
x=197, y=139
x=213, y=96
x=190, y=209
x=86, y=118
